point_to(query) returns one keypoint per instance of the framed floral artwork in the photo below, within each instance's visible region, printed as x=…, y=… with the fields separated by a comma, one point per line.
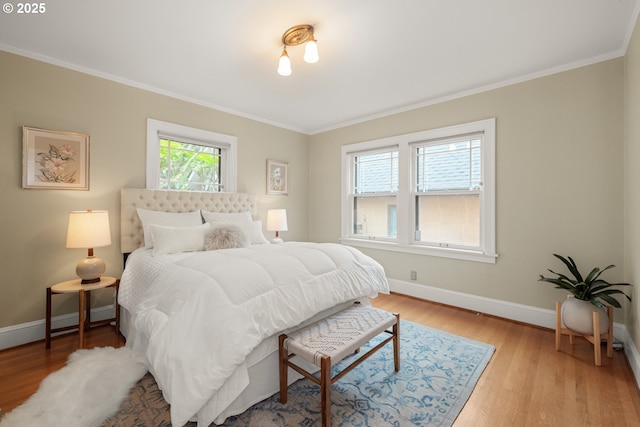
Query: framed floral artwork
x=54, y=160
x=277, y=177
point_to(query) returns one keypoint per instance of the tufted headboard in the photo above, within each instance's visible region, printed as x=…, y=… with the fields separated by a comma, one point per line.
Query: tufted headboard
x=131, y=234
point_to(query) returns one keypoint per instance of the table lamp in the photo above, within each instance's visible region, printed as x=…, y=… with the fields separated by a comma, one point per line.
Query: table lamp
x=277, y=221
x=89, y=229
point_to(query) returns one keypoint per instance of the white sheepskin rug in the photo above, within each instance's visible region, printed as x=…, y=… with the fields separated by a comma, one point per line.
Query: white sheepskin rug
x=83, y=393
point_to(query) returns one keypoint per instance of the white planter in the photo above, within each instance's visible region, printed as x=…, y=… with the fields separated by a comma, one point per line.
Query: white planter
x=577, y=315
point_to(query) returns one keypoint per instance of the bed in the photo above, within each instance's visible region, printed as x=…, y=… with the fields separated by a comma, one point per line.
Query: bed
x=205, y=319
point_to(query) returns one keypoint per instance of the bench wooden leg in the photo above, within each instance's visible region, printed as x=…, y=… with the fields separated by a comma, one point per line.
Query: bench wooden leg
x=396, y=343
x=325, y=390
x=284, y=369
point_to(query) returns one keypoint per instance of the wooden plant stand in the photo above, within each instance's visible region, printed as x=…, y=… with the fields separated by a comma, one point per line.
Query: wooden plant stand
x=595, y=339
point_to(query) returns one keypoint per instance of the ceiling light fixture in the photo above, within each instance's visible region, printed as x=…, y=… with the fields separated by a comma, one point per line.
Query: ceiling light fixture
x=295, y=36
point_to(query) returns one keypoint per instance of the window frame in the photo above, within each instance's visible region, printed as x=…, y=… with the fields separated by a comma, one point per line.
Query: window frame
x=157, y=129
x=405, y=198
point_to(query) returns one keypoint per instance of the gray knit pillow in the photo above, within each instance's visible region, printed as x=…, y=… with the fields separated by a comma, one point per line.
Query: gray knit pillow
x=224, y=236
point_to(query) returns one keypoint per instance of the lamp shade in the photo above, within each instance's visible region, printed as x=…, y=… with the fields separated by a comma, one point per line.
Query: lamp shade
x=284, y=64
x=277, y=220
x=88, y=229
x=311, y=52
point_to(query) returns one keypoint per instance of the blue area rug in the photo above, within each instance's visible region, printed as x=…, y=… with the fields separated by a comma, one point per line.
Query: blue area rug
x=438, y=372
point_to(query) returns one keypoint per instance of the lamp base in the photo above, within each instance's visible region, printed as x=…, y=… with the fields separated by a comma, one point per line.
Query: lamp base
x=90, y=269
x=277, y=240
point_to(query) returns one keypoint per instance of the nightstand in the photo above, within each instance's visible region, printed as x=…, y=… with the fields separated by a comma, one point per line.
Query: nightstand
x=84, y=306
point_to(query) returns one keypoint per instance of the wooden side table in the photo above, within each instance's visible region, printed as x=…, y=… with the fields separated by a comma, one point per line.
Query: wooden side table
x=84, y=306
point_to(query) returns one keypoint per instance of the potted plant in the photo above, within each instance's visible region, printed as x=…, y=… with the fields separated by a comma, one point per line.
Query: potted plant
x=586, y=295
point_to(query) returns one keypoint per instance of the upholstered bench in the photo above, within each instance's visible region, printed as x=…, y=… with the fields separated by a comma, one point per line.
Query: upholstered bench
x=330, y=340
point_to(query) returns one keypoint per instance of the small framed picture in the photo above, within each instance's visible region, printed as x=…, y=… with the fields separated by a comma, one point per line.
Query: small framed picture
x=277, y=177
x=54, y=160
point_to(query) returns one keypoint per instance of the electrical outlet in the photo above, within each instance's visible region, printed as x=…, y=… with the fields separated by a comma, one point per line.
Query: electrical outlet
x=414, y=275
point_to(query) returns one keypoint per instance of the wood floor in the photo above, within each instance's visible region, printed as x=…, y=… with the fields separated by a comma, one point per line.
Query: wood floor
x=23, y=368
x=527, y=382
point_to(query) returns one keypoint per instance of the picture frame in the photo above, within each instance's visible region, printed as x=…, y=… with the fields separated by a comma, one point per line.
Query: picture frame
x=54, y=160
x=277, y=177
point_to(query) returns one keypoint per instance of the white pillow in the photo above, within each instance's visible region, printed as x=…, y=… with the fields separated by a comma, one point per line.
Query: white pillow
x=252, y=229
x=170, y=240
x=258, y=237
x=173, y=219
x=242, y=219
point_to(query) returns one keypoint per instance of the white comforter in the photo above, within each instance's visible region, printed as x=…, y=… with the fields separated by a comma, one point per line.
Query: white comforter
x=197, y=318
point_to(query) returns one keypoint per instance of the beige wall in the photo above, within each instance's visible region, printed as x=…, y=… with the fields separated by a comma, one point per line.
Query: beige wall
x=559, y=182
x=632, y=180
x=559, y=176
x=32, y=247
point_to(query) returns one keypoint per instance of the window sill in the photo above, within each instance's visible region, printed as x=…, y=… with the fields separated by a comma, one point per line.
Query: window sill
x=465, y=255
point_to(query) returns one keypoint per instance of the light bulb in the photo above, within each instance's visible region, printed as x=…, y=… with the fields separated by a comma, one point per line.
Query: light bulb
x=311, y=52
x=284, y=65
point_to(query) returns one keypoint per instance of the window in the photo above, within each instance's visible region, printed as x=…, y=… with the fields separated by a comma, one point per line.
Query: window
x=375, y=185
x=184, y=158
x=447, y=192
x=430, y=192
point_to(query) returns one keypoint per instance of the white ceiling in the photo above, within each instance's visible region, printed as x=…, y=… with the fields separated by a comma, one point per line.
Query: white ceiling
x=376, y=56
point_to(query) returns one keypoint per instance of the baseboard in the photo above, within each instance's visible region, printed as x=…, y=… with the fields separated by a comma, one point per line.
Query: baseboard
x=25, y=333
x=508, y=310
x=632, y=354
